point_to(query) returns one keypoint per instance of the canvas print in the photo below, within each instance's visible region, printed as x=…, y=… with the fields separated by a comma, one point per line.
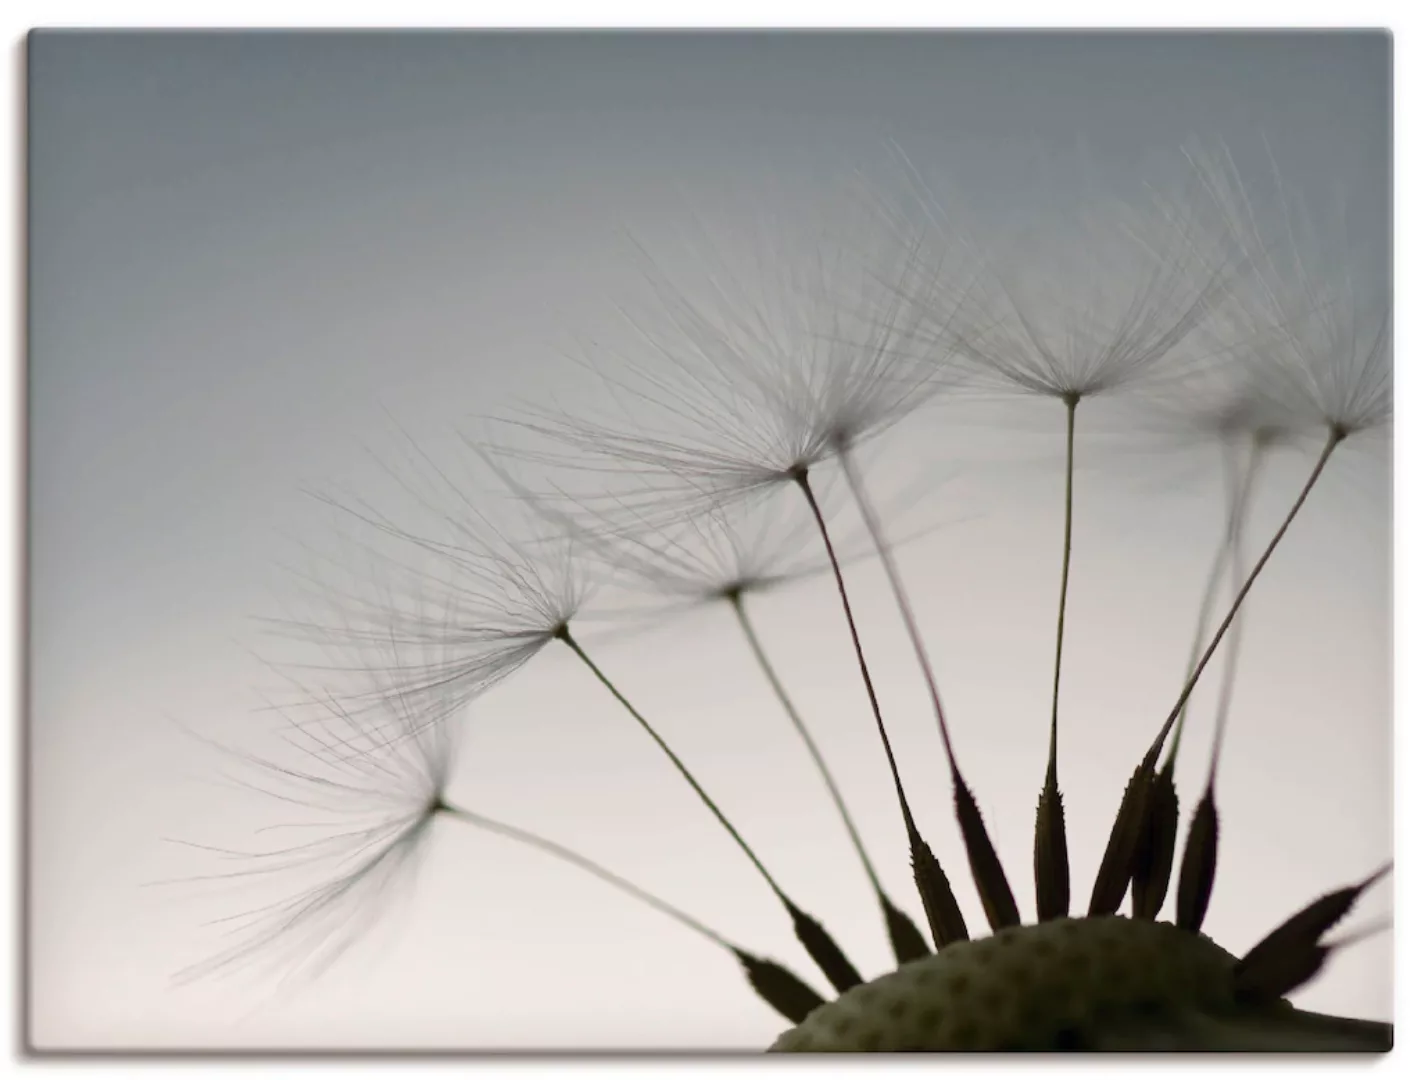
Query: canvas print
x=713, y=542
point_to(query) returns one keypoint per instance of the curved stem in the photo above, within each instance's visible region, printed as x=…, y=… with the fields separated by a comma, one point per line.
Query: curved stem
x=803, y=482
x=1235, y=548
x=1333, y=439
x=900, y=596
x=567, y=855
x=710, y=803
x=944, y=916
x=1071, y=404
x=737, y=604
x=1239, y=491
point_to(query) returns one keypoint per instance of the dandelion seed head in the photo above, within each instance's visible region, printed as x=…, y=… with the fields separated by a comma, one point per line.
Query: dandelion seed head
x=366, y=794
x=779, y=357
x=1312, y=318
x=468, y=590
x=1074, y=307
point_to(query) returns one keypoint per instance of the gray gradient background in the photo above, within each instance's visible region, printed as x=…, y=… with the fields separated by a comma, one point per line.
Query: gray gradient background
x=246, y=249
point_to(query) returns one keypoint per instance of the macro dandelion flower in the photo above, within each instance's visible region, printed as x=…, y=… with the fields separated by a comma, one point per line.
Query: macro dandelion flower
x=777, y=374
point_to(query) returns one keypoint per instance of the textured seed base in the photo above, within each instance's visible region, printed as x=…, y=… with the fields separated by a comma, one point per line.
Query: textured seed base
x=1041, y=987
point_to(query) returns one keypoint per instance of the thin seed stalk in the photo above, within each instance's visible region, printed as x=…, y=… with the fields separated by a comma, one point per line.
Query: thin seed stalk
x=816, y=940
x=944, y=917
x=737, y=604
x=1230, y=674
x=907, y=942
x=1071, y=404
x=1196, y=872
x=987, y=873
x=780, y=988
x=1156, y=858
x=1227, y=552
x=1333, y=439
x=1051, y=855
x=803, y=482
x=686, y=773
x=567, y=855
x=1123, y=848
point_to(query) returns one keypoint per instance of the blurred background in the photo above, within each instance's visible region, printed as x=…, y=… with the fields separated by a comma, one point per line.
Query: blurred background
x=257, y=259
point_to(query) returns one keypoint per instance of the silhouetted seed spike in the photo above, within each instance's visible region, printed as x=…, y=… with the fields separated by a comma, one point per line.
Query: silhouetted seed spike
x=945, y=921
x=907, y=939
x=1122, y=850
x=987, y=873
x=836, y=967
x=1284, y=973
x=779, y=987
x=1053, y=866
x=1151, y=880
x=1289, y=949
x=1196, y=869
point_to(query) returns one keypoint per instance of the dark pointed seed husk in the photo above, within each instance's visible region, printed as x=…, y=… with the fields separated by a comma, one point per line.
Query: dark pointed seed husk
x=1285, y=972
x=779, y=987
x=1290, y=954
x=945, y=921
x=987, y=873
x=1053, y=865
x=907, y=939
x=836, y=967
x=1196, y=869
x=1151, y=881
x=1118, y=864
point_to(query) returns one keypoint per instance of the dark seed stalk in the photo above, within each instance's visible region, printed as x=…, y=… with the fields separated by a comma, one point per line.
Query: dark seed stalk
x=1123, y=848
x=1052, y=859
x=907, y=943
x=987, y=873
x=944, y=917
x=815, y=938
x=776, y=985
x=1156, y=858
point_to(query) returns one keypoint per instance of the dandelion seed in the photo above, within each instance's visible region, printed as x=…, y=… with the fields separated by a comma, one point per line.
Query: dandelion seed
x=1099, y=308
x=538, y=599
x=1240, y=420
x=821, y=947
x=987, y=873
x=484, y=596
x=726, y=391
x=1314, y=316
x=1311, y=357
x=379, y=788
x=945, y=920
x=1196, y=874
x=728, y=557
x=766, y=379
x=375, y=790
x=777, y=985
